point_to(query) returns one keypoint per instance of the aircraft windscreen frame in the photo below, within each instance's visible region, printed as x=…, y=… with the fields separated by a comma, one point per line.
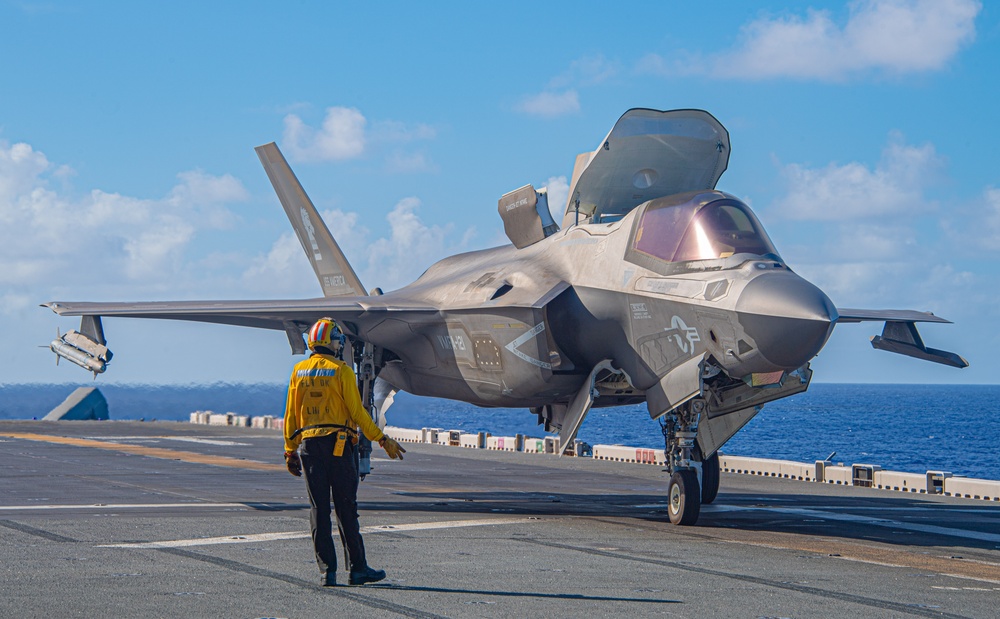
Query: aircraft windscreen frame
x=669, y=234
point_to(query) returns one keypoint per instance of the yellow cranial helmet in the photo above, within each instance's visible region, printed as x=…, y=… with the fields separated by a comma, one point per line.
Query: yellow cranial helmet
x=325, y=333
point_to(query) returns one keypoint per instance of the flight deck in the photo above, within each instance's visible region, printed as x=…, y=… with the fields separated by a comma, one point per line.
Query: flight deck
x=132, y=519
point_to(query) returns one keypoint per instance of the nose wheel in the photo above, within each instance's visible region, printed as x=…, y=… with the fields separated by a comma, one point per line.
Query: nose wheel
x=685, y=497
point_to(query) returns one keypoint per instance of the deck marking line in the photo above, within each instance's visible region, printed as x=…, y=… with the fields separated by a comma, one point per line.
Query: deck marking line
x=12, y=508
x=204, y=441
x=152, y=452
x=286, y=535
x=869, y=520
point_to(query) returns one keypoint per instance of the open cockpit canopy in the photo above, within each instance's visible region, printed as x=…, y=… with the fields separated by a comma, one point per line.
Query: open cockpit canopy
x=648, y=154
x=697, y=226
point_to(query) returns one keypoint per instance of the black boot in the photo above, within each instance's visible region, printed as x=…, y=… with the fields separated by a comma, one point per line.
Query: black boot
x=329, y=579
x=366, y=574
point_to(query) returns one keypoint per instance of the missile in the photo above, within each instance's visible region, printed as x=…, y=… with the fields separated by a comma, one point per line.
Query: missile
x=79, y=349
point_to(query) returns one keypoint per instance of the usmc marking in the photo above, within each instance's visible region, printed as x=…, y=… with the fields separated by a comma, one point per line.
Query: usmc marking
x=682, y=335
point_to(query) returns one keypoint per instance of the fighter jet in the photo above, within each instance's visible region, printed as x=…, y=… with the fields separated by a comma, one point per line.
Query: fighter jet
x=656, y=288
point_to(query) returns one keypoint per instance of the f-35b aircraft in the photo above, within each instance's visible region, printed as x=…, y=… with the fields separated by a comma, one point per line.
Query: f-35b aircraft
x=656, y=288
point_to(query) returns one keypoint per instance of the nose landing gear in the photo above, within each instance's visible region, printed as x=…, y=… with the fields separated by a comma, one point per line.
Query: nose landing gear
x=685, y=493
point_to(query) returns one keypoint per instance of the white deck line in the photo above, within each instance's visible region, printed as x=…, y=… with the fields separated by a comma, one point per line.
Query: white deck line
x=268, y=537
x=11, y=508
x=868, y=520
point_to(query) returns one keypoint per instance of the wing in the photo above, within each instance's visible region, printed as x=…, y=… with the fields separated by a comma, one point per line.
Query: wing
x=341, y=287
x=900, y=336
x=867, y=315
x=260, y=314
x=293, y=317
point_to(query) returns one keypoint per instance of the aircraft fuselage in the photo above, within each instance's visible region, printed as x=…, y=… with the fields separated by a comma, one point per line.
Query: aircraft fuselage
x=524, y=327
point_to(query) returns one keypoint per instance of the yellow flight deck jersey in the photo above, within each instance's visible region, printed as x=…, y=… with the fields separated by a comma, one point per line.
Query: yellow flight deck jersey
x=324, y=390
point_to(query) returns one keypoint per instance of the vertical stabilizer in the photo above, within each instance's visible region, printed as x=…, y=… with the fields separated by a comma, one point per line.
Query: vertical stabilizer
x=332, y=269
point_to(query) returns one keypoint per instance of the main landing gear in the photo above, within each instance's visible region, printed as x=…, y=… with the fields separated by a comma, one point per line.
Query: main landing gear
x=685, y=493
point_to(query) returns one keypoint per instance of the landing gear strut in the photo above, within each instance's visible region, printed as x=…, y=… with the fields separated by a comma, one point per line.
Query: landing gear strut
x=680, y=427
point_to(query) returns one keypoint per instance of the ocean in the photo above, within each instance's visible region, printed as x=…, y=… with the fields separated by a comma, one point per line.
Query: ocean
x=911, y=428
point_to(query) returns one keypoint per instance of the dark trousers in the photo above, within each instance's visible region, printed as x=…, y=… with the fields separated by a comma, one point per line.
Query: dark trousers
x=337, y=477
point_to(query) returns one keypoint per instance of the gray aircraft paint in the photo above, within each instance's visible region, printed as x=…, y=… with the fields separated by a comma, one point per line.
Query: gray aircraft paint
x=582, y=316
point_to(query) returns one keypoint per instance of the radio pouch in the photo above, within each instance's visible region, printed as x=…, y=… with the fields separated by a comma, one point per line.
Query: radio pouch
x=338, y=447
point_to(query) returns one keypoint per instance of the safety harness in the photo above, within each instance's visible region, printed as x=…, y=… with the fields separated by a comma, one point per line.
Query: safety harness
x=352, y=431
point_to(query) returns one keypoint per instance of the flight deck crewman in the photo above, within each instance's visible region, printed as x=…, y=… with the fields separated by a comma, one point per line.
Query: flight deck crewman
x=322, y=416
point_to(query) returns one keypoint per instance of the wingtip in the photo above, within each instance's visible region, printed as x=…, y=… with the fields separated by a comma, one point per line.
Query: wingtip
x=263, y=147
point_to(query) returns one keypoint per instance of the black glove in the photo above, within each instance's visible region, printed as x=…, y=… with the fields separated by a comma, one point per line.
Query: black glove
x=293, y=463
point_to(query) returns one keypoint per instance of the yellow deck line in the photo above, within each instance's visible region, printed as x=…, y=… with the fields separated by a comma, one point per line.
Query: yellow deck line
x=152, y=452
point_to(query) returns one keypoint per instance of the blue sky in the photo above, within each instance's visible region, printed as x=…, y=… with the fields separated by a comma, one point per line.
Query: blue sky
x=863, y=136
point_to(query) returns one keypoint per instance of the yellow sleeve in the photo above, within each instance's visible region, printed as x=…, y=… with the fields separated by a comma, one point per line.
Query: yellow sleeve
x=291, y=416
x=355, y=410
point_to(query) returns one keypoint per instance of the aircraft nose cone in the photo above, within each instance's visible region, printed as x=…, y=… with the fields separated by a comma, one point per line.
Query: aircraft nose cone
x=788, y=318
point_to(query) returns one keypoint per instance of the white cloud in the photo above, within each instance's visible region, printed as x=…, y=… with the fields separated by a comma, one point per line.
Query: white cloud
x=655, y=64
x=197, y=187
x=396, y=132
x=14, y=303
x=20, y=166
x=342, y=136
x=853, y=190
x=101, y=237
x=987, y=235
x=561, y=97
x=558, y=190
x=890, y=36
x=975, y=227
x=913, y=282
x=389, y=262
x=585, y=71
x=208, y=195
x=285, y=271
x=345, y=134
x=157, y=249
x=880, y=244
x=282, y=271
x=549, y=104
x=411, y=247
x=403, y=162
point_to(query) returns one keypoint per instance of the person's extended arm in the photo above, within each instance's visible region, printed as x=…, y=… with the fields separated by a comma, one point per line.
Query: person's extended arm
x=352, y=398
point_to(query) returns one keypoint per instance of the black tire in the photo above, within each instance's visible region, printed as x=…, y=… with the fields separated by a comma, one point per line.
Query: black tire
x=683, y=497
x=709, y=478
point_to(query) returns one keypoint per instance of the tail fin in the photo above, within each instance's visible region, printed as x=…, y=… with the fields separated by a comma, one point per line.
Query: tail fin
x=332, y=269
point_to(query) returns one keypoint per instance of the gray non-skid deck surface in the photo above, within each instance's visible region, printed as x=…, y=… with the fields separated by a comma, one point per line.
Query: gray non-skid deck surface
x=539, y=536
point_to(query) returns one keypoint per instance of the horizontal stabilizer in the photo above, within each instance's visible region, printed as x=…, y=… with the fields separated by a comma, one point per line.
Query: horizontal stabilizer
x=900, y=333
x=902, y=338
